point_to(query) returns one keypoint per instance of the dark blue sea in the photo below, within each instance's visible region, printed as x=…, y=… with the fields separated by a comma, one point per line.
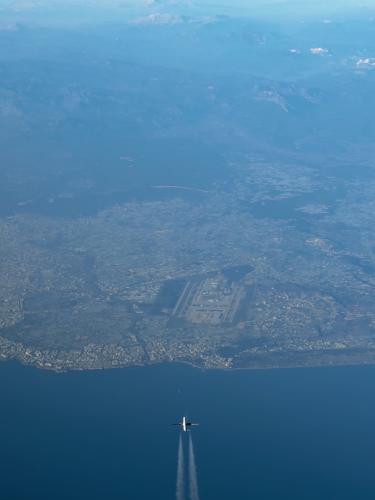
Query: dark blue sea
x=282, y=434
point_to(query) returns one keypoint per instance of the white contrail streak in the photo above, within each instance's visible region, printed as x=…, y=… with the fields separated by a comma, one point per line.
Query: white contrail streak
x=194, y=493
x=180, y=485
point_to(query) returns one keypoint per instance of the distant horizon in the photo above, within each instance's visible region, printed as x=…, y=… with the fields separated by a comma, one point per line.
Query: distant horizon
x=78, y=11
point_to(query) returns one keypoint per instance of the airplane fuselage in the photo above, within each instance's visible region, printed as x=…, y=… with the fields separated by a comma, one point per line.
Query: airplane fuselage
x=185, y=424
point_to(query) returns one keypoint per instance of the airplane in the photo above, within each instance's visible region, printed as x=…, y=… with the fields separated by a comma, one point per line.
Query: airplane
x=184, y=424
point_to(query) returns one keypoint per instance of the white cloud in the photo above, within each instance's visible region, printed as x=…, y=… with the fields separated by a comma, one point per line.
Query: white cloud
x=368, y=61
x=168, y=2
x=318, y=51
x=158, y=18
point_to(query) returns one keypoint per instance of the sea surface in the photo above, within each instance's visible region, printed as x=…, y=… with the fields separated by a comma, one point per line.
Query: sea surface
x=296, y=434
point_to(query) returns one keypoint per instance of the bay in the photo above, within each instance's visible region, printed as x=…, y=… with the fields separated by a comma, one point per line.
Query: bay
x=278, y=434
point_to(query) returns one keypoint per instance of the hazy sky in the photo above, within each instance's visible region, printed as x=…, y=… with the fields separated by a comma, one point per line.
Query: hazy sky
x=40, y=9
x=290, y=7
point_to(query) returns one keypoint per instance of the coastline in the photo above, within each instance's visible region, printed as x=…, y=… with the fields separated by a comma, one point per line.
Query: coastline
x=105, y=357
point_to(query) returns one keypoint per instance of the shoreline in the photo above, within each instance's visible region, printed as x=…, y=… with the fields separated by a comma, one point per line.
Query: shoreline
x=68, y=361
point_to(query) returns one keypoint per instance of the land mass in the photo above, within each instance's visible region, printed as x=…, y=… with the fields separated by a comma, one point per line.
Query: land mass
x=226, y=281
x=199, y=191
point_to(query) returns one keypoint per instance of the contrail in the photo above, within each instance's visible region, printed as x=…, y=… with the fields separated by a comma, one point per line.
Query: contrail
x=194, y=493
x=180, y=485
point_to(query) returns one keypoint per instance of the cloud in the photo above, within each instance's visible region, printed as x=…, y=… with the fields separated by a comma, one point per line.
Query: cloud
x=318, y=51
x=168, y=2
x=157, y=18
x=368, y=61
